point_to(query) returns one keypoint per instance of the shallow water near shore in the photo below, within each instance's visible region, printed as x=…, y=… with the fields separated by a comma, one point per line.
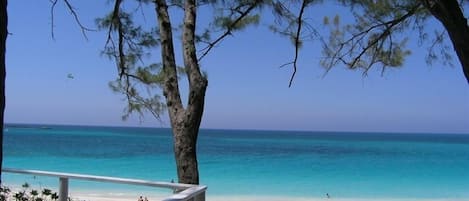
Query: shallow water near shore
x=250, y=163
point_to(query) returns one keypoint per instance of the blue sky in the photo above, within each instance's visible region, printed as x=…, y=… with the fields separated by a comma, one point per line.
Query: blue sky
x=247, y=89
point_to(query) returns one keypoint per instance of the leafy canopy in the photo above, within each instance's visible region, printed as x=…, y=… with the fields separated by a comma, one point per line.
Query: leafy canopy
x=132, y=39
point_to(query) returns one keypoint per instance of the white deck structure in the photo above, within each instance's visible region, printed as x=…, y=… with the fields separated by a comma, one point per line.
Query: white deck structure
x=185, y=191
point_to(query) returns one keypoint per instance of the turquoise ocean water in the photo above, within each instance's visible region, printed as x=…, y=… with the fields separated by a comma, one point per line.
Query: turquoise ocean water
x=245, y=162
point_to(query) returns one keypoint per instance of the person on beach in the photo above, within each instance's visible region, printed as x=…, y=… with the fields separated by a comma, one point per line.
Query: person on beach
x=140, y=198
x=328, y=196
x=146, y=199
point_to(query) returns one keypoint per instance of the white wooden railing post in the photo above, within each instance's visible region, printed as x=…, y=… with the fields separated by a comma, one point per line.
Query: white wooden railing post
x=63, y=189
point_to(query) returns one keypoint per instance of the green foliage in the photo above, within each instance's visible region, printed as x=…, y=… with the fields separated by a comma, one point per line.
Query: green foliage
x=325, y=20
x=136, y=101
x=27, y=194
x=227, y=22
x=4, y=193
x=376, y=37
x=139, y=90
x=235, y=15
x=288, y=20
x=379, y=33
x=336, y=20
x=137, y=42
x=128, y=44
x=203, y=37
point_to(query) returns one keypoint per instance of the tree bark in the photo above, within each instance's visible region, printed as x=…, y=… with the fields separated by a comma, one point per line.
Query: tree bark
x=195, y=106
x=185, y=122
x=3, y=38
x=449, y=13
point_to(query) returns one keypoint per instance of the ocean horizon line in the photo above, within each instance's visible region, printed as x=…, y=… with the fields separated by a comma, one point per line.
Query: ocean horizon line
x=49, y=125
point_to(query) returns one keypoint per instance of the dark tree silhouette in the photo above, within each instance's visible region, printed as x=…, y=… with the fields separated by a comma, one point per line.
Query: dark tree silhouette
x=3, y=38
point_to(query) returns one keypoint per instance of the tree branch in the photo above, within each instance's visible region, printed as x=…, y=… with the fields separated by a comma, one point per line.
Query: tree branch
x=297, y=41
x=54, y=2
x=386, y=32
x=367, y=40
x=83, y=28
x=228, y=31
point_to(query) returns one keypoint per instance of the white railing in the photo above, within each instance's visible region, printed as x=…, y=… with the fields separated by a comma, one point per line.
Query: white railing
x=184, y=191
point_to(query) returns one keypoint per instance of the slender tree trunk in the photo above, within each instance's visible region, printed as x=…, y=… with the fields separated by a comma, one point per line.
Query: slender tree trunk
x=187, y=157
x=185, y=122
x=3, y=38
x=449, y=13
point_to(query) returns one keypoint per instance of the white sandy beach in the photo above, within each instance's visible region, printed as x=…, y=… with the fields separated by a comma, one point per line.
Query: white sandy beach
x=115, y=197
x=105, y=195
x=158, y=196
x=99, y=195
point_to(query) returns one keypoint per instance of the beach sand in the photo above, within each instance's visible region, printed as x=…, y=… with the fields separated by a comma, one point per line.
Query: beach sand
x=105, y=195
x=116, y=197
x=158, y=196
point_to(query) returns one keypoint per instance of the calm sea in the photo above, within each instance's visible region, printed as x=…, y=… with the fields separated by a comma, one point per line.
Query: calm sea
x=246, y=162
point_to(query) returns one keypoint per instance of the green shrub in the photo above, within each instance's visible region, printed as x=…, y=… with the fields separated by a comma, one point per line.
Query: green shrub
x=27, y=194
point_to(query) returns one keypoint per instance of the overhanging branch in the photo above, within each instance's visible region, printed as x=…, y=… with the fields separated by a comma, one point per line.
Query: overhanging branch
x=230, y=28
x=297, y=41
x=73, y=12
x=375, y=41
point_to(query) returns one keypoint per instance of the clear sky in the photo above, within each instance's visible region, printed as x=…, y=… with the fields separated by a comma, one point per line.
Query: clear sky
x=247, y=89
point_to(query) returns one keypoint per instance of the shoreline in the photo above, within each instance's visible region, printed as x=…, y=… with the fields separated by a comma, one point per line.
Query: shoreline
x=115, y=197
x=123, y=193
x=133, y=195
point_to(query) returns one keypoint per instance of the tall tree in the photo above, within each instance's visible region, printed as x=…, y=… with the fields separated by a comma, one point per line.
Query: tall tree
x=128, y=43
x=3, y=38
x=370, y=41
x=185, y=122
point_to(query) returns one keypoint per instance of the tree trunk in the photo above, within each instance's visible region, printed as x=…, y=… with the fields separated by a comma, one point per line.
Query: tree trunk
x=185, y=122
x=449, y=13
x=186, y=153
x=3, y=38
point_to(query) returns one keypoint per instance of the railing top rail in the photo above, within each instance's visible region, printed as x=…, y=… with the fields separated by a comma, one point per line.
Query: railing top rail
x=169, y=185
x=187, y=194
